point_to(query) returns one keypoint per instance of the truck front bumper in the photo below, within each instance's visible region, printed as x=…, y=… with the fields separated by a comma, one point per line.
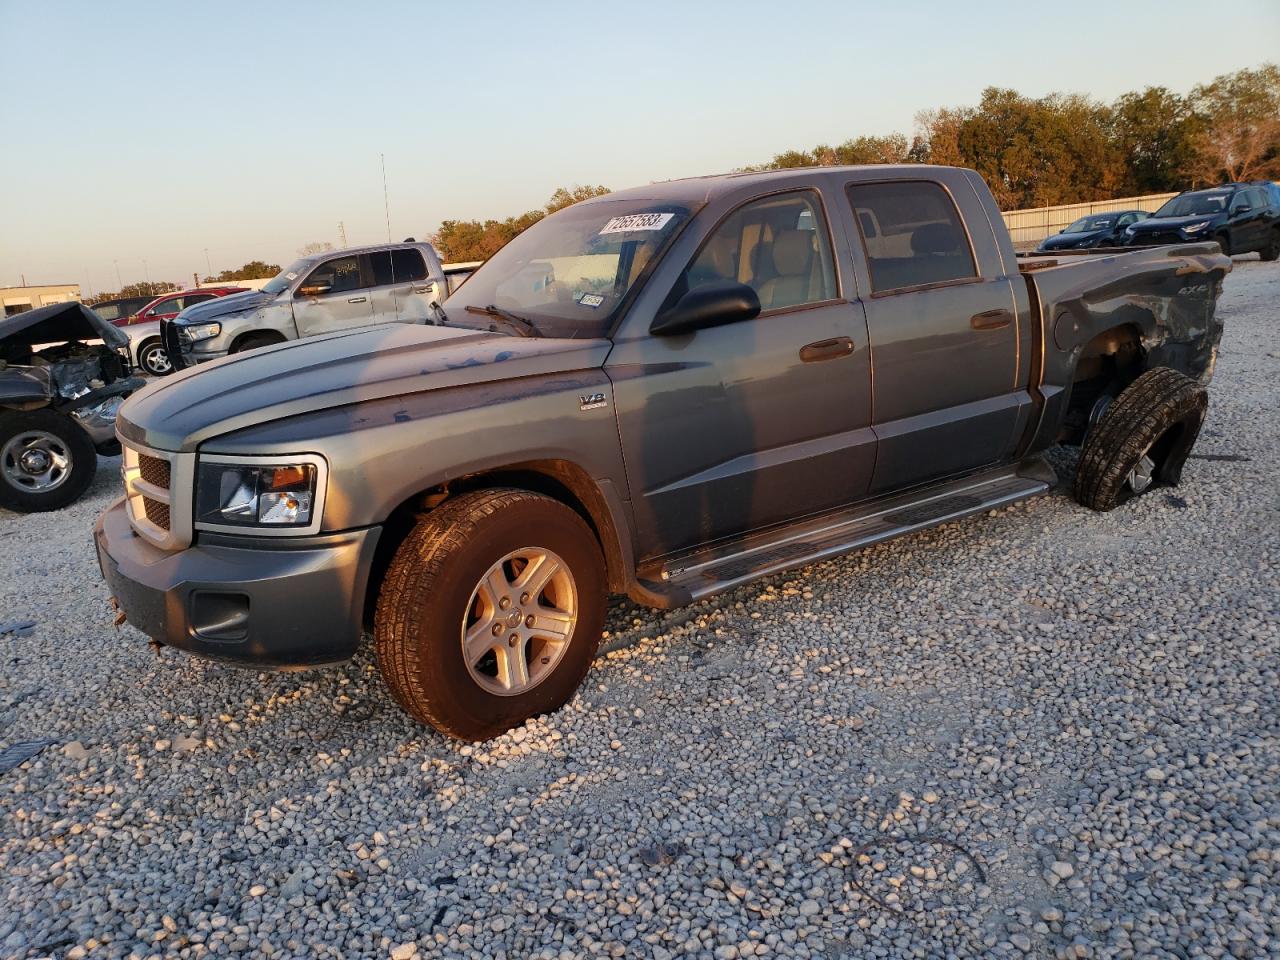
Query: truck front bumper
x=257, y=602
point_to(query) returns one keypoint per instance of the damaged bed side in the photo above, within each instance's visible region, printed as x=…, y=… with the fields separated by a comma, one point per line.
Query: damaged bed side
x=1106, y=317
x=63, y=374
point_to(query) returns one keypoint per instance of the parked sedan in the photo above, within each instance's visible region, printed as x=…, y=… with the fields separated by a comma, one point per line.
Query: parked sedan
x=1095, y=230
x=145, y=347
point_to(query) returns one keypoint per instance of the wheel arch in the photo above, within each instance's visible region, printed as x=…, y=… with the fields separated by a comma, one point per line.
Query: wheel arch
x=561, y=480
x=274, y=336
x=1106, y=364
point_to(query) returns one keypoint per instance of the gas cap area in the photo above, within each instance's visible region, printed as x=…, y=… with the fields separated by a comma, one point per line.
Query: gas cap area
x=1066, y=331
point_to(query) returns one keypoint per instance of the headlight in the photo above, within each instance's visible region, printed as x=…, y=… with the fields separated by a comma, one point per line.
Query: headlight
x=203, y=331
x=241, y=492
x=1196, y=227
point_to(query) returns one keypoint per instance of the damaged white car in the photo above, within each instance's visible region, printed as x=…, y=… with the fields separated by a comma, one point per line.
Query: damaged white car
x=63, y=374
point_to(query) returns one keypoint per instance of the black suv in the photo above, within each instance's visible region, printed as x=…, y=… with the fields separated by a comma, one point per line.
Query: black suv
x=1242, y=217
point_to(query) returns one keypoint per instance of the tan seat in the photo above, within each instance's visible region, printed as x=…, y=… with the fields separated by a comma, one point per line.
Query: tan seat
x=792, y=255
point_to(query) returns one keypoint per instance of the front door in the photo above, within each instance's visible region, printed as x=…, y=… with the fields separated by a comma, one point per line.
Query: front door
x=944, y=337
x=334, y=296
x=734, y=428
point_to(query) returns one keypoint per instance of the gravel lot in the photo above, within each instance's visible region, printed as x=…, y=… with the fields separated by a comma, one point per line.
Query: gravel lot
x=1046, y=732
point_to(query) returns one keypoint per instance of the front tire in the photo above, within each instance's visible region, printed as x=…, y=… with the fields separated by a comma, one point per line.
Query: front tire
x=1272, y=250
x=46, y=461
x=1143, y=438
x=256, y=340
x=153, y=358
x=1224, y=243
x=491, y=612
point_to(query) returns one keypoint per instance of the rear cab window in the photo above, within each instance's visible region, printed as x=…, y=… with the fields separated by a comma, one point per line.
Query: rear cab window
x=407, y=265
x=912, y=235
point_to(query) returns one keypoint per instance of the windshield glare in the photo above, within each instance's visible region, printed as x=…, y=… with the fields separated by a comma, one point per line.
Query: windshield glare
x=280, y=282
x=1194, y=205
x=568, y=273
x=1089, y=224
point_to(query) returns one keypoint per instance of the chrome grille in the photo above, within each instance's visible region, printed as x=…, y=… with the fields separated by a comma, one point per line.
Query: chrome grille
x=158, y=488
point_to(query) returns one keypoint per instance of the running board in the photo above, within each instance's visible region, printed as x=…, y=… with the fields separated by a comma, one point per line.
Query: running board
x=683, y=579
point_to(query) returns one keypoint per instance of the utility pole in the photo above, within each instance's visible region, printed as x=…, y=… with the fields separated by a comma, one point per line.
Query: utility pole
x=146, y=270
x=342, y=232
x=386, y=204
x=208, y=266
x=119, y=282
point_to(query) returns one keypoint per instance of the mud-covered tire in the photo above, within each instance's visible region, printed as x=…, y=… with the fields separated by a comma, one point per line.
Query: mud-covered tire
x=64, y=435
x=1272, y=250
x=428, y=594
x=1224, y=243
x=1157, y=416
x=154, y=359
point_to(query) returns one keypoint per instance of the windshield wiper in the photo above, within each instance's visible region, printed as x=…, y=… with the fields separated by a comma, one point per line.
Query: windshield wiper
x=519, y=324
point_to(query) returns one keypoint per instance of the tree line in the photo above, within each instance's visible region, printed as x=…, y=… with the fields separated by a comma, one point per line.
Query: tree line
x=1032, y=151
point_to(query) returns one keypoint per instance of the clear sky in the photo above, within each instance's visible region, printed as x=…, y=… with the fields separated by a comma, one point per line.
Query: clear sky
x=137, y=131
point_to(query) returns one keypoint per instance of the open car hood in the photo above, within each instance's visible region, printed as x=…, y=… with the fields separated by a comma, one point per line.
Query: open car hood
x=59, y=323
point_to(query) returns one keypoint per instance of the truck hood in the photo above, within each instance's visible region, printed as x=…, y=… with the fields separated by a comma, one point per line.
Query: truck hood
x=221, y=306
x=180, y=412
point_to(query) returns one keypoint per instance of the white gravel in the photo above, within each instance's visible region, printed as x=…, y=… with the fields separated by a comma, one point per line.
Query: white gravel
x=1046, y=732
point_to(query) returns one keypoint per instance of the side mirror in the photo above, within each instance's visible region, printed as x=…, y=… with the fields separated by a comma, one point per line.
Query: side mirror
x=314, y=289
x=710, y=305
x=1239, y=210
x=1063, y=230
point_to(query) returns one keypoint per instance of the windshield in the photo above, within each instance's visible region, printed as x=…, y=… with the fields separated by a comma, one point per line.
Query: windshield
x=1099, y=221
x=1195, y=204
x=109, y=311
x=568, y=273
x=280, y=282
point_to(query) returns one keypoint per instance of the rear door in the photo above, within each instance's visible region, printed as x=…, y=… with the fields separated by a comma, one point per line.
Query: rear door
x=334, y=296
x=943, y=327
x=382, y=292
x=415, y=291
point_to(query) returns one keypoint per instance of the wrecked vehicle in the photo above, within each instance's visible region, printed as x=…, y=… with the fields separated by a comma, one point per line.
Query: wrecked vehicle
x=665, y=392
x=59, y=392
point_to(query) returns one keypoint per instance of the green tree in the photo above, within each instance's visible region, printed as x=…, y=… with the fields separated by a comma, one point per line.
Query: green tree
x=1156, y=132
x=566, y=198
x=1240, y=135
x=153, y=288
x=253, y=270
x=315, y=246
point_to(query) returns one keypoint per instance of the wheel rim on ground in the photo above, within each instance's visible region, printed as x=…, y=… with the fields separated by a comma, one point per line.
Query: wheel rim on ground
x=1143, y=474
x=34, y=461
x=519, y=621
x=156, y=361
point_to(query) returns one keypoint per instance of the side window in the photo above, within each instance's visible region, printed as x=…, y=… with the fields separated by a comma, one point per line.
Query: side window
x=196, y=298
x=168, y=307
x=380, y=261
x=1124, y=221
x=333, y=276
x=779, y=246
x=912, y=234
x=408, y=265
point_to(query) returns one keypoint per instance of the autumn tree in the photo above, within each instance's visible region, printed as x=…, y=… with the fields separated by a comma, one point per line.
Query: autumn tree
x=460, y=241
x=893, y=148
x=1157, y=133
x=143, y=288
x=1240, y=135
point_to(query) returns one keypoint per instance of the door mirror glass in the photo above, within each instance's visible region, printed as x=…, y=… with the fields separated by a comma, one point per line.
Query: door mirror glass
x=708, y=305
x=1243, y=208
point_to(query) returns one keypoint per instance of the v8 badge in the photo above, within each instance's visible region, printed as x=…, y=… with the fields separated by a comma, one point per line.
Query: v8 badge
x=592, y=401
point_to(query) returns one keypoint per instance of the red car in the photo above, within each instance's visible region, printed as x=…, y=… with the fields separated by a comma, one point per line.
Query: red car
x=171, y=304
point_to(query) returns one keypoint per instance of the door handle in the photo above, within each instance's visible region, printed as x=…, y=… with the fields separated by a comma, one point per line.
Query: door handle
x=356, y=299
x=426, y=289
x=826, y=349
x=991, y=320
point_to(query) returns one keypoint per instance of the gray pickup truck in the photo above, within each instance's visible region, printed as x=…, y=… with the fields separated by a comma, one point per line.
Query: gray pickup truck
x=319, y=294
x=666, y=392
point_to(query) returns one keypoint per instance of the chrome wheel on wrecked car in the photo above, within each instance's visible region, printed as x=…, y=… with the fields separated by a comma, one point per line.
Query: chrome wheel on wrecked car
x=46, y=460
x=519, y=621
x=35, y=461
x=1142, y=475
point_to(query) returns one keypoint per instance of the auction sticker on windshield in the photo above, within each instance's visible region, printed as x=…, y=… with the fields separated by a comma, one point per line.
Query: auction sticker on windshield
x=637, y=221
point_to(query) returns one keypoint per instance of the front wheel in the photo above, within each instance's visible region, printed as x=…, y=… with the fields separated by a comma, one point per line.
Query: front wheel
x=1224, y=243
x=1272, y=250
x=153, y=358
x=255, y=341
x=46, y=461
x=1142, y=438
x=490, y=612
